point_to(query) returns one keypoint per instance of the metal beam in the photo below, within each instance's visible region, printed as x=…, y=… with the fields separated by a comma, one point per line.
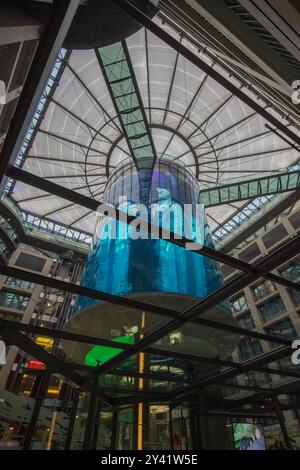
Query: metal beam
x=236, y=236
x=213, y=114
x=94, y=205
x=43, y=386
x=51, y=159
x=230, y=372
x=14, y=337
x=41, y=110
x=223, y=132
x=76, y=337
x=148, y=74
x=103, y=110
x=284, y=253
x=7, y=239
x=243, y=36
x=88, y=125
x=62, y=137
x=251, y=155
x=170, y=92
x=51, y=40
x=287, y=388
x=26, y=237
x=79, y=290
x=200, y=34
x=72, y=419
x=26, y=344
x=91, y=417
x=184, y=117
x=198, y=62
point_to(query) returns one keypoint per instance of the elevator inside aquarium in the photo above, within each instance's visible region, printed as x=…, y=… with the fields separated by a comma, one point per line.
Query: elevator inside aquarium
x=125, y=260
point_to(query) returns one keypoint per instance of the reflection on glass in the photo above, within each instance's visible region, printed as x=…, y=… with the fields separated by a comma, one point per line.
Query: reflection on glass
x=181, y=436
x=80, y=422
x=105, y=430
x=15, y=414
x=54, y=417
x=124, y=431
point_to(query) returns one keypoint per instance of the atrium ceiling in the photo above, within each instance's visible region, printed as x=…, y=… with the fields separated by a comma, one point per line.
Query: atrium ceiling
x=193, y=120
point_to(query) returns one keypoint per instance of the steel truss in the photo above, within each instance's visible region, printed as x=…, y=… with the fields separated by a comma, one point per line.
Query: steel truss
x=178, y=319
x=15, y=333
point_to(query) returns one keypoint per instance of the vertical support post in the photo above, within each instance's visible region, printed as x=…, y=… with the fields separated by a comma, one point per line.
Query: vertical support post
x=134, y=430
x=171, y=427
x=91, y=418
x=43, y=386
x=72, y=419
x=114, y=430
x=97, y=422
x=204, y=423
x=281, y=420
x=195, y=427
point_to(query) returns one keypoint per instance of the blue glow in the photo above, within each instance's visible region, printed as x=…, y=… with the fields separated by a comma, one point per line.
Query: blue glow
x=122, y=266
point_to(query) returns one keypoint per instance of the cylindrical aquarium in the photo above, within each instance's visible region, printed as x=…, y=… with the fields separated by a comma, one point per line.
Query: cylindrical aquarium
x=126, y=261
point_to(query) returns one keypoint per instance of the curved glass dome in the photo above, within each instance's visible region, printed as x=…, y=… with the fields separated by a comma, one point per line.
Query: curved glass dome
x=193, y=121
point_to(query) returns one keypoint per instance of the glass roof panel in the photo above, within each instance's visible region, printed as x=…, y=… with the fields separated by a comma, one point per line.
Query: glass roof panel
x=193, y=120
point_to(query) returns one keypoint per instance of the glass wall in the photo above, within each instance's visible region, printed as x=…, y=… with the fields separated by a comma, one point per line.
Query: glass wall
x=283, y=329
x=80, y=422
x=126, y=429
x=159, y=432
x=15, y=414
x=181, y=432
x=54, y=416
x=106, y=430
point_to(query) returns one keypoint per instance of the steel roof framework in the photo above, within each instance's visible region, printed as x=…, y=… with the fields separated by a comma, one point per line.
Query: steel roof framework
x=13, y=333
x=96, y=181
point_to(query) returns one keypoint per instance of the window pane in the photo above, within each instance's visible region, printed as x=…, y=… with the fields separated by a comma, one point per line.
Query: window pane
x=274, y=236
x=11, y=281
x=271, y=308
x=263, y=289
x=295, y=296
x=291, y=272
x=283, y=329
x=246, y=321
x=238, y=303
x=13, y=300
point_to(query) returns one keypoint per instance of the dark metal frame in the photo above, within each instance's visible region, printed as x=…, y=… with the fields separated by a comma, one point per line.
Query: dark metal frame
x=94, y=205
x=15, y=334
x=50, y=43
x=279, y=256
x=53, y=245
x=164, y=36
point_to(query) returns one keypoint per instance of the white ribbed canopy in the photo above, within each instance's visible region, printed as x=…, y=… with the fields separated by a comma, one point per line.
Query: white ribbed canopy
x=193, y=120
